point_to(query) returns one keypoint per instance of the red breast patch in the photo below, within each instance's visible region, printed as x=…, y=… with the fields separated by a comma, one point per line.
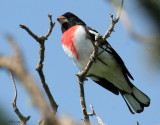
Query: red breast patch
x=67, y=40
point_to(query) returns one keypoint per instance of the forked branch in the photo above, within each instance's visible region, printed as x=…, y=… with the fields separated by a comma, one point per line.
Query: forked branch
x=41, y=40
x=94, y=114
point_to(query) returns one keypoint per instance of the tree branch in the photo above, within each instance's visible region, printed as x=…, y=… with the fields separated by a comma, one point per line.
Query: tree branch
x=82, y=75
x=16, y=65
x=113, y=22
x=41, y=40
x=83, y=105
x=22, y=119
x=94, y=114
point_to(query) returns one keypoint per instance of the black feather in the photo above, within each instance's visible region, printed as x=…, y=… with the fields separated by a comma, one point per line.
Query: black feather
x=72, y=21
x=105, y=83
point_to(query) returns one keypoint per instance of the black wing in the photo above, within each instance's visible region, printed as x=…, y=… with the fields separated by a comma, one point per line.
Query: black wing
x=107, y=47
x=106, y=84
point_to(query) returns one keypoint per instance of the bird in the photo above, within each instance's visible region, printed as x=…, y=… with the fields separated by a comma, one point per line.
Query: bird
x=108, y=70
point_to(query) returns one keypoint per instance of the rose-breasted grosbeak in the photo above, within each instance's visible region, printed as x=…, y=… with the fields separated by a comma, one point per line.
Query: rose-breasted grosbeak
x=109, y=70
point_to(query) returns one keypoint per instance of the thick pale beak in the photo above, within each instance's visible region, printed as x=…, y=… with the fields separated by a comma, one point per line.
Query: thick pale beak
x=62, y=19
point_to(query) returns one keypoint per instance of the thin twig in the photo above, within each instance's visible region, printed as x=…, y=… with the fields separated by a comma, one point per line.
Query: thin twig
x=41, y=40
x=29, y=32
x=82, y=75
x=94, y=114
x=22, y=119
x=83, y=105
x=113, y=22
x=51, y=26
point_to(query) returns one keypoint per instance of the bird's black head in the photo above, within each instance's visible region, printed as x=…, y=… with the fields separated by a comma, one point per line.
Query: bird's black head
x=68, y=20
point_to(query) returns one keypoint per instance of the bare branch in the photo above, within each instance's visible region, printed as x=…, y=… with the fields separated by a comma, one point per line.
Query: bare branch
x=94, y=114
x=83, y=104
x=113, y=22
x=51, y=26
x=82, y=75
x=29, y=32
x=15, y=64
x=41, y=40
x=22, y=119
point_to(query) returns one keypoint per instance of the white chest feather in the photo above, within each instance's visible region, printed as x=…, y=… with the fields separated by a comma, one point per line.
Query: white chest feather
x=83, y=47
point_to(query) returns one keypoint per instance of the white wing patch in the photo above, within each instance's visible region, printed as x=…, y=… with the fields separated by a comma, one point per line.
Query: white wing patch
x=93, y=32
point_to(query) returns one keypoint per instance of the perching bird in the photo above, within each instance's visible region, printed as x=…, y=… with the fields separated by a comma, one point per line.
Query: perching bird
x=108, y=70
